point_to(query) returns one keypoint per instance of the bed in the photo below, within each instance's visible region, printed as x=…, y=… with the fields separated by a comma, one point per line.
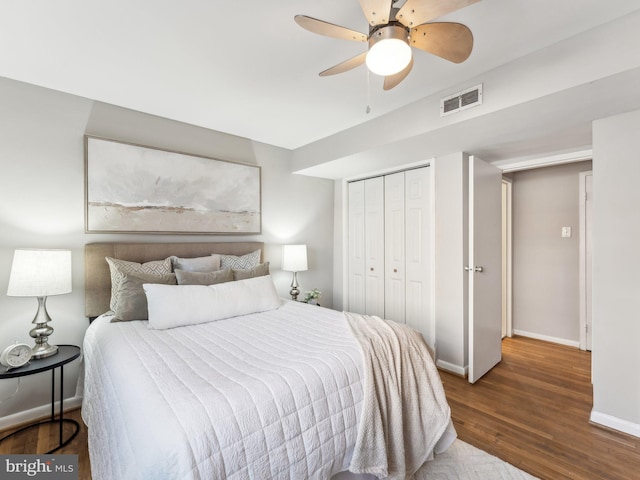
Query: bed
x=279, y=393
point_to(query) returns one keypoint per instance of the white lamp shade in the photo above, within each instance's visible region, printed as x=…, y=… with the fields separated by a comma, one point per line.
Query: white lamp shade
x=40, y=273
x=294, y=258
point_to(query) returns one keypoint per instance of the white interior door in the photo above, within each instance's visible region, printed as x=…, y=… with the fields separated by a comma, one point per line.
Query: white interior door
x=394, y=245
x=357, y=256
x=586, y=202
x=374, y=246
x=485, y=267
x=418, y=253
x=588, y=235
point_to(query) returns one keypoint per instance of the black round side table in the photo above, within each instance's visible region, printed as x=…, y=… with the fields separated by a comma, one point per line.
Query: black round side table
x=66, y=354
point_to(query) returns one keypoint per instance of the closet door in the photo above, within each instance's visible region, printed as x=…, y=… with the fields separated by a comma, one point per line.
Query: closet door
x=356, y=242
x=418, y=252
x=374, y=246
x=394, y=237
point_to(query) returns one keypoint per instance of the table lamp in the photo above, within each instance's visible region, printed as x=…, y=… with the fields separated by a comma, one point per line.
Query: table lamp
x=40, y=273
x=294, y=259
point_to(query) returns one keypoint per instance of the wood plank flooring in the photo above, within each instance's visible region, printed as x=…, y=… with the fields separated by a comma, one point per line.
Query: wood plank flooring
x=45, y=437
x=532, y=410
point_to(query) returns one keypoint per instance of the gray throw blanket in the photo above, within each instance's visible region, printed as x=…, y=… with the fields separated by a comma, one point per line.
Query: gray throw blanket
x=405, y=411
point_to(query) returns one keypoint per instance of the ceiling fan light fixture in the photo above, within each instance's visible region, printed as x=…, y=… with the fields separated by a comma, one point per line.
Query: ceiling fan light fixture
x=389, y=51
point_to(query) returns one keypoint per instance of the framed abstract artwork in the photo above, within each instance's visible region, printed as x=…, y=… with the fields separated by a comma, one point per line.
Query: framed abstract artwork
x=138, y=189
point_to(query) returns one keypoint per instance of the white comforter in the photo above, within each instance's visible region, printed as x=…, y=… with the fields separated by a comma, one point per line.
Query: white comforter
x=271, y=395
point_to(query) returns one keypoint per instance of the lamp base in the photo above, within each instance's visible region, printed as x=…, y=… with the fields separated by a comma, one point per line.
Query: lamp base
x=294, y=292
x=43, y=351
x=41, y=332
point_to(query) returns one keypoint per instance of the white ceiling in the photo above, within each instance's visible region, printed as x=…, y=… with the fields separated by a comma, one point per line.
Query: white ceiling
x=246, y=68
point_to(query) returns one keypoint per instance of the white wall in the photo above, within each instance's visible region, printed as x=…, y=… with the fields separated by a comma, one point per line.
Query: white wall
x=616, y=283
x=545, y=266
x=42, y=205
x=451, y=225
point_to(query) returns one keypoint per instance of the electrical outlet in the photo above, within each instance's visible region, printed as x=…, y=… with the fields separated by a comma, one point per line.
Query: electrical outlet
x=566, y=232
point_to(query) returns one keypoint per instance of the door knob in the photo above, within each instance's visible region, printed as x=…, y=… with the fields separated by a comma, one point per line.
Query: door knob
x=474, y=269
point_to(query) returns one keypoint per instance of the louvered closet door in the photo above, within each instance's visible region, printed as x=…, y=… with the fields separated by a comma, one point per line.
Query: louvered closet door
x=356, y=257
x=394, y=211
x=374, y=246
x=418, y=252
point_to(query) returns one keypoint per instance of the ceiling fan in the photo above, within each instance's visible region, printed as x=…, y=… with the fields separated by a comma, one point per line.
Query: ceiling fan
x=392, y=33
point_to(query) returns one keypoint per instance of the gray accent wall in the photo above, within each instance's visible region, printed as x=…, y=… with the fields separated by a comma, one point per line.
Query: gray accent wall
x=545, y=266
x=42, y=206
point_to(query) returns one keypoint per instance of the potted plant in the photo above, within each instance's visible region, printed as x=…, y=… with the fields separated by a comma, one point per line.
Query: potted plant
x=312, y=296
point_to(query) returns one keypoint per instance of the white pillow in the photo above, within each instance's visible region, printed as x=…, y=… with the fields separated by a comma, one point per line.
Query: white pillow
x=178, y=305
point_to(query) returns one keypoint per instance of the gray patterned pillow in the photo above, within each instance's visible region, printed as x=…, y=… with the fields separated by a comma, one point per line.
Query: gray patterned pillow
x=243, y=262
x=120, y=268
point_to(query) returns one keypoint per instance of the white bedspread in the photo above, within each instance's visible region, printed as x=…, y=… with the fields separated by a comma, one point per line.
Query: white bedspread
x=270, y=395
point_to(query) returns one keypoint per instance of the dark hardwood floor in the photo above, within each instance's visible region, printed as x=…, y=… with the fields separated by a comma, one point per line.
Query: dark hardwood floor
x=532, y=410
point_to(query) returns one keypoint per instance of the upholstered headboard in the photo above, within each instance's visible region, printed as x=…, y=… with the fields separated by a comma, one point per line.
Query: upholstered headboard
x=97, y=278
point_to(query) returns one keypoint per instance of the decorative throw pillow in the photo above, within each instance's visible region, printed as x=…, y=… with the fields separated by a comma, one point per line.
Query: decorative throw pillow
x=119, y=268
x=204, y=278
x=243, y=262
x=257, y=271
x=209, y=263
x=176, y=306
x=132, y=302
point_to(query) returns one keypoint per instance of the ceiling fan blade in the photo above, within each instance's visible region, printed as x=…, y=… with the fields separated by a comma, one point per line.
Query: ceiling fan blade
x=415, y=12
x=451, y=41
x=345, y=66
x=376, y=11
x=393, y=80
x=329, y=29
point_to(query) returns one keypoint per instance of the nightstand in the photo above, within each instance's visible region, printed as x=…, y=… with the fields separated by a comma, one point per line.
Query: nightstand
x=66, y=354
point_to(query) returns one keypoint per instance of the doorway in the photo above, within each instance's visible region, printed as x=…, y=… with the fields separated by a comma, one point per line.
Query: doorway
x=507, y=319
x=542, y=292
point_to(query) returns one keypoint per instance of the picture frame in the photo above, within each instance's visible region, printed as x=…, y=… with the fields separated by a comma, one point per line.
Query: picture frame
x=131, y=188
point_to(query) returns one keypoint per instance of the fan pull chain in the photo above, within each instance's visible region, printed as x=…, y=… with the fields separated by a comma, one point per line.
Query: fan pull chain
x=368, y=109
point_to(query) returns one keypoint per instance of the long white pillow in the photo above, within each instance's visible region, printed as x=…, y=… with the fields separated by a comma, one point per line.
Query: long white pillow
x=179, y=305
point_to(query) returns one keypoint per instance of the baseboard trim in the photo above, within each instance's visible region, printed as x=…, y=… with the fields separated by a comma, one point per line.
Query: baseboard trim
x=615, y=423
x=546, y=338
x=450, y=367
x=37, y=413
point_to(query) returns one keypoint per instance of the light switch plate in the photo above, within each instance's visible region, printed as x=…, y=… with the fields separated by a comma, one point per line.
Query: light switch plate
x=566, y=232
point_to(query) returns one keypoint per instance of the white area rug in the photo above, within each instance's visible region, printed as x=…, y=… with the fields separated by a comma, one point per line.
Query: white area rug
x=462, y=461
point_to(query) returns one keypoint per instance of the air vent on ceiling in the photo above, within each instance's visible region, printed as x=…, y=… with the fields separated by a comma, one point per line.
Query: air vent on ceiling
x=461, y=101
